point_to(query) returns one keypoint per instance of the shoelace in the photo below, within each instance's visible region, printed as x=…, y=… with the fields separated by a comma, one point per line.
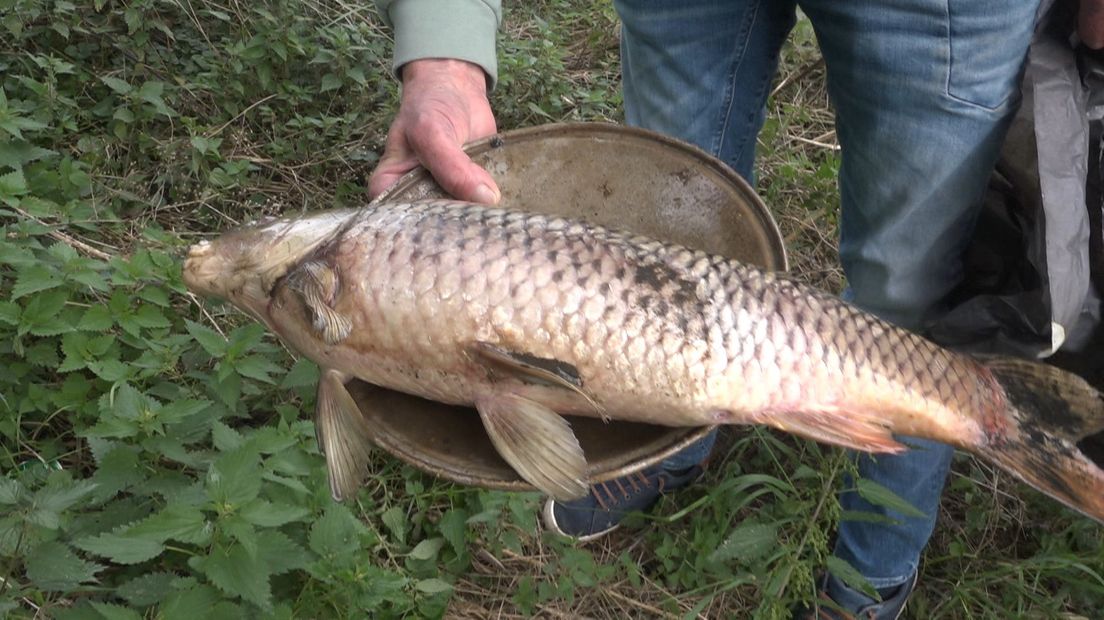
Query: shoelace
x=606, y=497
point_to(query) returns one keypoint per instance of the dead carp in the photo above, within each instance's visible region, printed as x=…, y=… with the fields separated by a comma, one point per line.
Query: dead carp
x=526, y=317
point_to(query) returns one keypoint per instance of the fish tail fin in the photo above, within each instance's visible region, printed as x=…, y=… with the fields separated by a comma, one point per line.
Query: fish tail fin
x=1045, y=435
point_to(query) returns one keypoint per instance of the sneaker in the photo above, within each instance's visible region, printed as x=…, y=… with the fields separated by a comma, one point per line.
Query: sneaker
x=836, y=601
x=608, y=503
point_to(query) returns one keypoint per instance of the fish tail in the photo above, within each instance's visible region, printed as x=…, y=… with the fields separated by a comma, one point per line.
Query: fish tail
x=1045, y=433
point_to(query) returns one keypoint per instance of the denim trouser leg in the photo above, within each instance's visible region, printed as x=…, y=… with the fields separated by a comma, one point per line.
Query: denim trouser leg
x=700, y=70
x=923, y=90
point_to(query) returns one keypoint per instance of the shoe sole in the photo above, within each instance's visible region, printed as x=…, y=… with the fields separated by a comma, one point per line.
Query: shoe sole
x=548, y=515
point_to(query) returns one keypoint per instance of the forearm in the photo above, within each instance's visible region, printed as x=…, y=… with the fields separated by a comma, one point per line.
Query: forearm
x=455, y=29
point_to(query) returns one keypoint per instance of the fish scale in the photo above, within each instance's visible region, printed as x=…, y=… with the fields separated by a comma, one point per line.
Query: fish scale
x=527, y=316
x=659, y=299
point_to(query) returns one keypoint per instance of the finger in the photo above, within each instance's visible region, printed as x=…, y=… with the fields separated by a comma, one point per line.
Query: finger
x=387, y=173
x=453, y=170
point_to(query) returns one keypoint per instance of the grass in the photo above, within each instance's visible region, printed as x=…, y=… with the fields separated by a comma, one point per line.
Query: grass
x=158, y=461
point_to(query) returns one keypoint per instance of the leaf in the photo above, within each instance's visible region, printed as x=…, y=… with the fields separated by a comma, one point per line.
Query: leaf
x=74, y=346
x=155, y=295
x=33, y=279
x=235, y=478
x=881, y=496
x=280, y=553
x=9, y=312
x=118, y=470
x=96, y=319
x=117, y=85
x=330, y=82
x=427, y=549
x=58, y=498
x=113, y=428
x=229, y=389
x=177, y=522
x=11, y=491
x=150, y=317
x=271, y=440
x=191, y=604
x=211, y=341
x=147, y=589
x=121, y=548
x=128, y=404
x=851, y=577
x=257, y=367
x=13, y=184
x=336, y=534
x=181, y=409
x=224, y=437
x=268, y=514
x=111, y=371
x=241, y=531
x=237, y=573
x=748, y=541
x=357, y=75
x=151, y=93
x=53, y=566
x=303, y=374
x=453, y=526
x=433, y=585
x=15, y=153
x=115, y=612
x=12, y=535
x=245, y=338
x=395, y=520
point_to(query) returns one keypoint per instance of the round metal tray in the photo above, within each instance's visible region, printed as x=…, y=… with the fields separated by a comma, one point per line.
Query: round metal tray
x=615, y=176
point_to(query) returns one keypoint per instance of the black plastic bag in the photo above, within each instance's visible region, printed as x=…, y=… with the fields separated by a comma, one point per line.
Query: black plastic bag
x=1030, y=270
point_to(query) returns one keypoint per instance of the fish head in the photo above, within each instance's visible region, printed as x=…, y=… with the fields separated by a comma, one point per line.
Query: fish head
x=244, y=265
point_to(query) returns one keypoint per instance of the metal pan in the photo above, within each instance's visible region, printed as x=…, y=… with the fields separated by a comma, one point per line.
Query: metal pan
x=616, y=176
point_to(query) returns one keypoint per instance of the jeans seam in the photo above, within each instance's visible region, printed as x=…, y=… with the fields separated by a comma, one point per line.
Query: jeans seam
x=734, y=70
x=887, y=582
x=947, y=90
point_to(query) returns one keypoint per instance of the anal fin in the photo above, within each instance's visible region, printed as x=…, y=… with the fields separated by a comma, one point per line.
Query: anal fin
x=537, y=442
x=343, y=435
x=838, y=427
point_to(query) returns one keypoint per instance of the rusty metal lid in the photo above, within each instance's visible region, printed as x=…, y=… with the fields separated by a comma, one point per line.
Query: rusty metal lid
x=621, y=177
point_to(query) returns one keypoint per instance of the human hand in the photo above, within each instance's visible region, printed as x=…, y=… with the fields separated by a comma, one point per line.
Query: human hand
x=444, y=105
x=1090, y=23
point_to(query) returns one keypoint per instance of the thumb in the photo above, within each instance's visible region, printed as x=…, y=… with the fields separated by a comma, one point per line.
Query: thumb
x=453, y=170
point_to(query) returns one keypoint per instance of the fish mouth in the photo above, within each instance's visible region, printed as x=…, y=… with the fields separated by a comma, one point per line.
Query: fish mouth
x=202, y=269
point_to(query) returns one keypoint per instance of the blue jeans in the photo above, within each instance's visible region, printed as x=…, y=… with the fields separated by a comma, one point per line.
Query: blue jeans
x=923, y=92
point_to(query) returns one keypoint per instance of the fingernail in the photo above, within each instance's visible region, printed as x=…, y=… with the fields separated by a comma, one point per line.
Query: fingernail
x=486, y=195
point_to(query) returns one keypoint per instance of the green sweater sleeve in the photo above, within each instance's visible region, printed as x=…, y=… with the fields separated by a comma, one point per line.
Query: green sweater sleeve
x=459, y=29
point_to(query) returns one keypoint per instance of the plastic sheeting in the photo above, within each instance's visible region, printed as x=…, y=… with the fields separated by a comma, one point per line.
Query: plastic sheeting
x=1030, y=270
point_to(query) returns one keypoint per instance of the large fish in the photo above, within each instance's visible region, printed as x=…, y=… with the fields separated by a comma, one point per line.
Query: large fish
x=526, y=317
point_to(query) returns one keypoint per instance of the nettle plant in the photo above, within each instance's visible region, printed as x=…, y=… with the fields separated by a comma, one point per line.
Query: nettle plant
x=157, y=460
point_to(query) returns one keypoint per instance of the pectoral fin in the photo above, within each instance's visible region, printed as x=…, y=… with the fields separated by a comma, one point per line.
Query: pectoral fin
x=317, y=286
x=343, y=435
x=532, y=369
x=537, y=442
